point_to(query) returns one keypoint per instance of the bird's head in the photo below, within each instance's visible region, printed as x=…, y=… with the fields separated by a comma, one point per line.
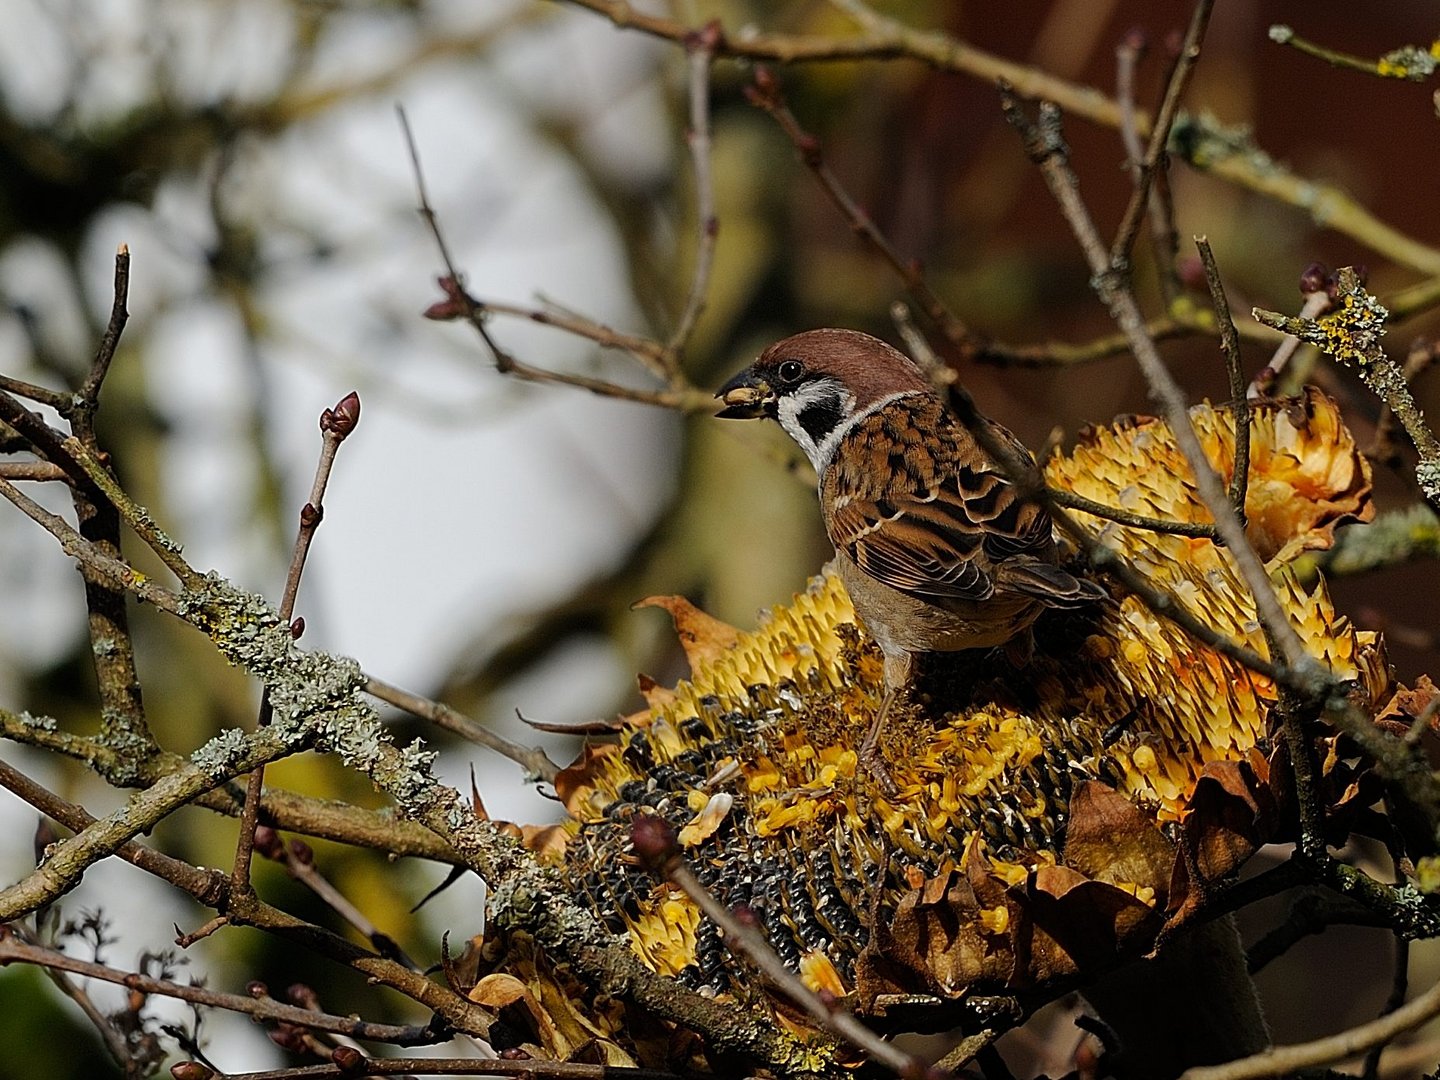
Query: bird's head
x=816, y=384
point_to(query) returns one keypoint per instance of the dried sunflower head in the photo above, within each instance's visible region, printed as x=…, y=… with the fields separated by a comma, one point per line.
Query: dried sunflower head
x=1045, y=807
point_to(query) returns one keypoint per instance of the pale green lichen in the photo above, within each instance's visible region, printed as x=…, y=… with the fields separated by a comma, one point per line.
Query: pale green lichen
x=40, y=723
x=315, y=698
x=1408, y=62
x=219, y=756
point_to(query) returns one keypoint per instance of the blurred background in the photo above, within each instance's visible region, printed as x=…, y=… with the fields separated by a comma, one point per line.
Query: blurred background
x=484, y=539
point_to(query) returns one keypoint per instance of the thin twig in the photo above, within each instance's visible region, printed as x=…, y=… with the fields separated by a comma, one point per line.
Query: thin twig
x=765, y=93
x=1023, y=474
x=40, y=471
x=1352, y=335
x=1311, y=913
x=13, y=950
x=1399, y=988
x=115, y=1042
x=207, y=887
x=1218, y=152
x=89, y=395
x=324, y=818
x=701, y=49
x=78, y=460
x=112, y=647
x=1164, y=241
x=1296, y=714
x=1384, y=447
x=1154, y=157
x=1407, y=62
x=70, y=858
x=298, y=859
x=1060, y=497
x=459, y=303
x=1284, y=1060
x=335, y=426
x=648, y=352
x=533, y=758
x=1047, y=150
x=80, y=549
x=41, y=395
x=1316, y=302
x=1239, y=401
x=530, y=1069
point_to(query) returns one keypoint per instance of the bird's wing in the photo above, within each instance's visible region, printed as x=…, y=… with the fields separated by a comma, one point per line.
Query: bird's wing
x=931, y=517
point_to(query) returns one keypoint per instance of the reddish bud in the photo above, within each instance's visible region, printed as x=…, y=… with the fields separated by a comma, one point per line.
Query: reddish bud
x=1174, y=42
x=257, y=989
x=446, y=311
x=191, y=1070
x=297, y=628
x=310, y=515
x=456, y=304
x=654, y=841
x=1191, y=271
x=765, y=80
x=709, y=37
x=1136, y=40
x=514, y=1054
x=302, y=852
x=348, y=1060
x=267, y=842
x=303, y=995
x=287, y=1038
x=343, y=418
x=1313, y=279
x=746, y=915
x=827, y=998
x=809, y=147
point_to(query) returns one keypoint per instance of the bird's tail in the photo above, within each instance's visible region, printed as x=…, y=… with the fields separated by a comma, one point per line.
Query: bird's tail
x=1049, y=584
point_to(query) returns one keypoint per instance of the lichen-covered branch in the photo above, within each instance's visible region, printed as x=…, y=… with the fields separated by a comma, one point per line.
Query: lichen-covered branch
x=1352, y=335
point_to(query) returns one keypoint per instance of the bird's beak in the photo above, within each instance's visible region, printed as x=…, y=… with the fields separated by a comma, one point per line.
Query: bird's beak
x=746, y=397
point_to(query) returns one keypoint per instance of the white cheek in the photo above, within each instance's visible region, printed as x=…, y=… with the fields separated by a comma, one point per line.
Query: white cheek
x=788, y=411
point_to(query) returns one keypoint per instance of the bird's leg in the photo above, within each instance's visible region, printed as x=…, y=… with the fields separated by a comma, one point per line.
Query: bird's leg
x=897, y=680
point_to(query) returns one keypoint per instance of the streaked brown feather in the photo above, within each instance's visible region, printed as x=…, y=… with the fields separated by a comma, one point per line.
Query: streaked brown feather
x=933, y=517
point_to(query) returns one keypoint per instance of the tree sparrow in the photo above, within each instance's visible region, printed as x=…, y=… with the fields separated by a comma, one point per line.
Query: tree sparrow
x=938, y=551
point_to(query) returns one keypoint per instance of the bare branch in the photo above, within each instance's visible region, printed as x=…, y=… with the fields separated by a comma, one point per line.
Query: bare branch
x=13, y=950
x=766, y=94
x=701, y=49
x=1047, y=150
x=534, y=759
x=335, y=426
x=1145, y=168
x=1352, y=334
x=1239, y=401
x=1284, y=1060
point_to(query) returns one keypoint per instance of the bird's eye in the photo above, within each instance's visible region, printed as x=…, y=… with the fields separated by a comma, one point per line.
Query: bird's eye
x=790, y=371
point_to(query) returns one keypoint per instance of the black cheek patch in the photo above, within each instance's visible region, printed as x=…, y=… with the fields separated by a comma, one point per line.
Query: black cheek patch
x=820, y=418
